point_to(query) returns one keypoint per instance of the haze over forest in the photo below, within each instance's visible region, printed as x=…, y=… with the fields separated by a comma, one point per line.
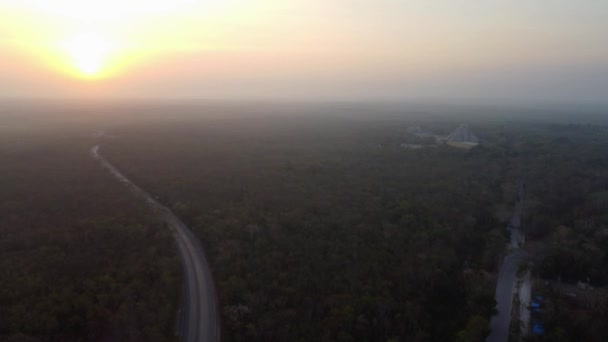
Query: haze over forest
x=303, y=170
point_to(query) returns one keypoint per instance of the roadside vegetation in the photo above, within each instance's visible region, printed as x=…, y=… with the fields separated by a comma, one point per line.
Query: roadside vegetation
x=317, y=233
x=80, y=260
x=566, y=222
x=318, y=227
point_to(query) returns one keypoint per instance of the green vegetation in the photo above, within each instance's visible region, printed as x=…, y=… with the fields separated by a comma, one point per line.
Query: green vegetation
x=318, y=227
x=80, y=260
x=568, y=208
x=315, y=233
x=567, y=225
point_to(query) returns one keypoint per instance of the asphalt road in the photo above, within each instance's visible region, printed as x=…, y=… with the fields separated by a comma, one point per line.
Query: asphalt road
x=505, y=287
x=199, y=319
x=525, y=299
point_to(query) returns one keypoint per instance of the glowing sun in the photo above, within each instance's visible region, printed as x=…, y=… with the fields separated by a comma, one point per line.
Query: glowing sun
x=88, y=54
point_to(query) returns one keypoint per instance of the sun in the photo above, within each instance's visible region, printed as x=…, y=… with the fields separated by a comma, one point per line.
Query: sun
x=106, y=39
x=88, y=55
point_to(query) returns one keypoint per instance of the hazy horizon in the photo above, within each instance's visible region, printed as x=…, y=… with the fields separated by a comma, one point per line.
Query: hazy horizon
x=475, y=51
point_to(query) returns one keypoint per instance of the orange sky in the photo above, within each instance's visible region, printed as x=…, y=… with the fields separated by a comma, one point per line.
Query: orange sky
x=298, y=48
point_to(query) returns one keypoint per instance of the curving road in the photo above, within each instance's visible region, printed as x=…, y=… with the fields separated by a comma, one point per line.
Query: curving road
x=505, y=286
x=199, y=321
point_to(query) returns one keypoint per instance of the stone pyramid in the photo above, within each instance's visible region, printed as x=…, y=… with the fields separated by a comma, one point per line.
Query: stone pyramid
x=463, y=134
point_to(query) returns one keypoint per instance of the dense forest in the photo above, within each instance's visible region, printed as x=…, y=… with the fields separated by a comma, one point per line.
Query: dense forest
x=79, y=259
x=566, y=223
x=324, y=229
x=319, y=226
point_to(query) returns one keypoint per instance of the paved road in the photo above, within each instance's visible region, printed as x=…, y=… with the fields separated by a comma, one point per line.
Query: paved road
x=525, y=299
x=505, y=286
x=199, y=318
x=504, y=297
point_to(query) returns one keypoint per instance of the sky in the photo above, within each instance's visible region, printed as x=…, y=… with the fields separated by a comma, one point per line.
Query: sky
x=477, y=50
